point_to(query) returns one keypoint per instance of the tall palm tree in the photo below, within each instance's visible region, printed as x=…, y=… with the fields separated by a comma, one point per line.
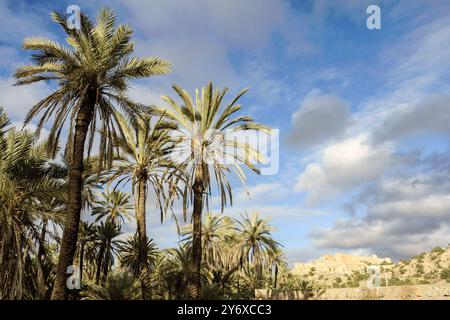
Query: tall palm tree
x=115, y=206
x=144, y=162
x=204, y=148
x=255, y=242
x=93, y=74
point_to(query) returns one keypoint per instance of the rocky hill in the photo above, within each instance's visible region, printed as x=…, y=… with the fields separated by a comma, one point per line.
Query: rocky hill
x=343, y=271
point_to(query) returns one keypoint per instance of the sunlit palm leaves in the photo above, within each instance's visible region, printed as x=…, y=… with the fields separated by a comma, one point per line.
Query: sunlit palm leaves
x=114, y=206
x=255, y=242
x=29, y=191
x=143, y=156
x=96, y=59
x=217, y=232
x=208, y=140
x=143, y=161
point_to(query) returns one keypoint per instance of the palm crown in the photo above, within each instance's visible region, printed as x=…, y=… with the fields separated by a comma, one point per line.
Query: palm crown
x=114, y=206
x=97, y=61
x=203, y=140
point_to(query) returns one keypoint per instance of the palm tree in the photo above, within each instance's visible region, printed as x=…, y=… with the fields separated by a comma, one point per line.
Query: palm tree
x=176, y=271
x=217, y=231
x=204, y=147
x=143, y=162
x=255, y=242
x=92, y=73
x=278, y=261
x=29, y=186
x=105, y=240
x=86, y=235
x=129, y=254
x=115, y=206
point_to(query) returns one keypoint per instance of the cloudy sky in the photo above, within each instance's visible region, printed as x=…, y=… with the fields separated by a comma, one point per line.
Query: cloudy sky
x=364, y=115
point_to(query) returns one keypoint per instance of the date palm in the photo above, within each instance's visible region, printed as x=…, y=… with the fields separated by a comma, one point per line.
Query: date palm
x=217, y=231
x=143, y=162
x=105, y=240
x=85, y=237
x=176, y=271
x=129, y=254
x=114, y=206
x=278, y=262
x=29, y=185
x=204, y=145
x=92, y=74
x=255, y=242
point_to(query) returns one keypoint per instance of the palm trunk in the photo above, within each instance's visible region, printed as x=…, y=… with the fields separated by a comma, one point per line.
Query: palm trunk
x=276, y=276
x=142, y=236
x=105, y=270
x=75, y=185
x=41, y=250
x=101, y=253
x=194, y=284
x=81, y=263
x=40, y=261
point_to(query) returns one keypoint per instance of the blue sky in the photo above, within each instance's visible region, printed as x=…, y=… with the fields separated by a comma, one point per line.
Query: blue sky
x=364, y=115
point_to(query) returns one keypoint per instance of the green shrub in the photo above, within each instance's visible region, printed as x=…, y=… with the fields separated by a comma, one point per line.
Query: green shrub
x=445, y=274
x=437, y=250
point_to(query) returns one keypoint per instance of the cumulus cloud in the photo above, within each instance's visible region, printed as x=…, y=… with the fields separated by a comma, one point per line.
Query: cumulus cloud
x=433, y=206
x=405, y=207
x=342, y=166
x=319, y=118
x=432, y=115
x=384, y=238
x=403, y=215
x=200, y=38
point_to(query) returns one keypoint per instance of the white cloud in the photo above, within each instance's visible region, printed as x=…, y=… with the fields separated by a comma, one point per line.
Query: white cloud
x=342, y=166
x=384, y=238
x=431, y=115
x=432, y=206
x=20, y=20
x=319, y=118
x=402, y=215
x=18, y=100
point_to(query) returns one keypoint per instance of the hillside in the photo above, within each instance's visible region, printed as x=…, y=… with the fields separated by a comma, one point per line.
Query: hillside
x=341, y=270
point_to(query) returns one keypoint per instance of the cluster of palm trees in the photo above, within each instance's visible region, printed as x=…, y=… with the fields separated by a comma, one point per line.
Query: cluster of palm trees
x=114, y=143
